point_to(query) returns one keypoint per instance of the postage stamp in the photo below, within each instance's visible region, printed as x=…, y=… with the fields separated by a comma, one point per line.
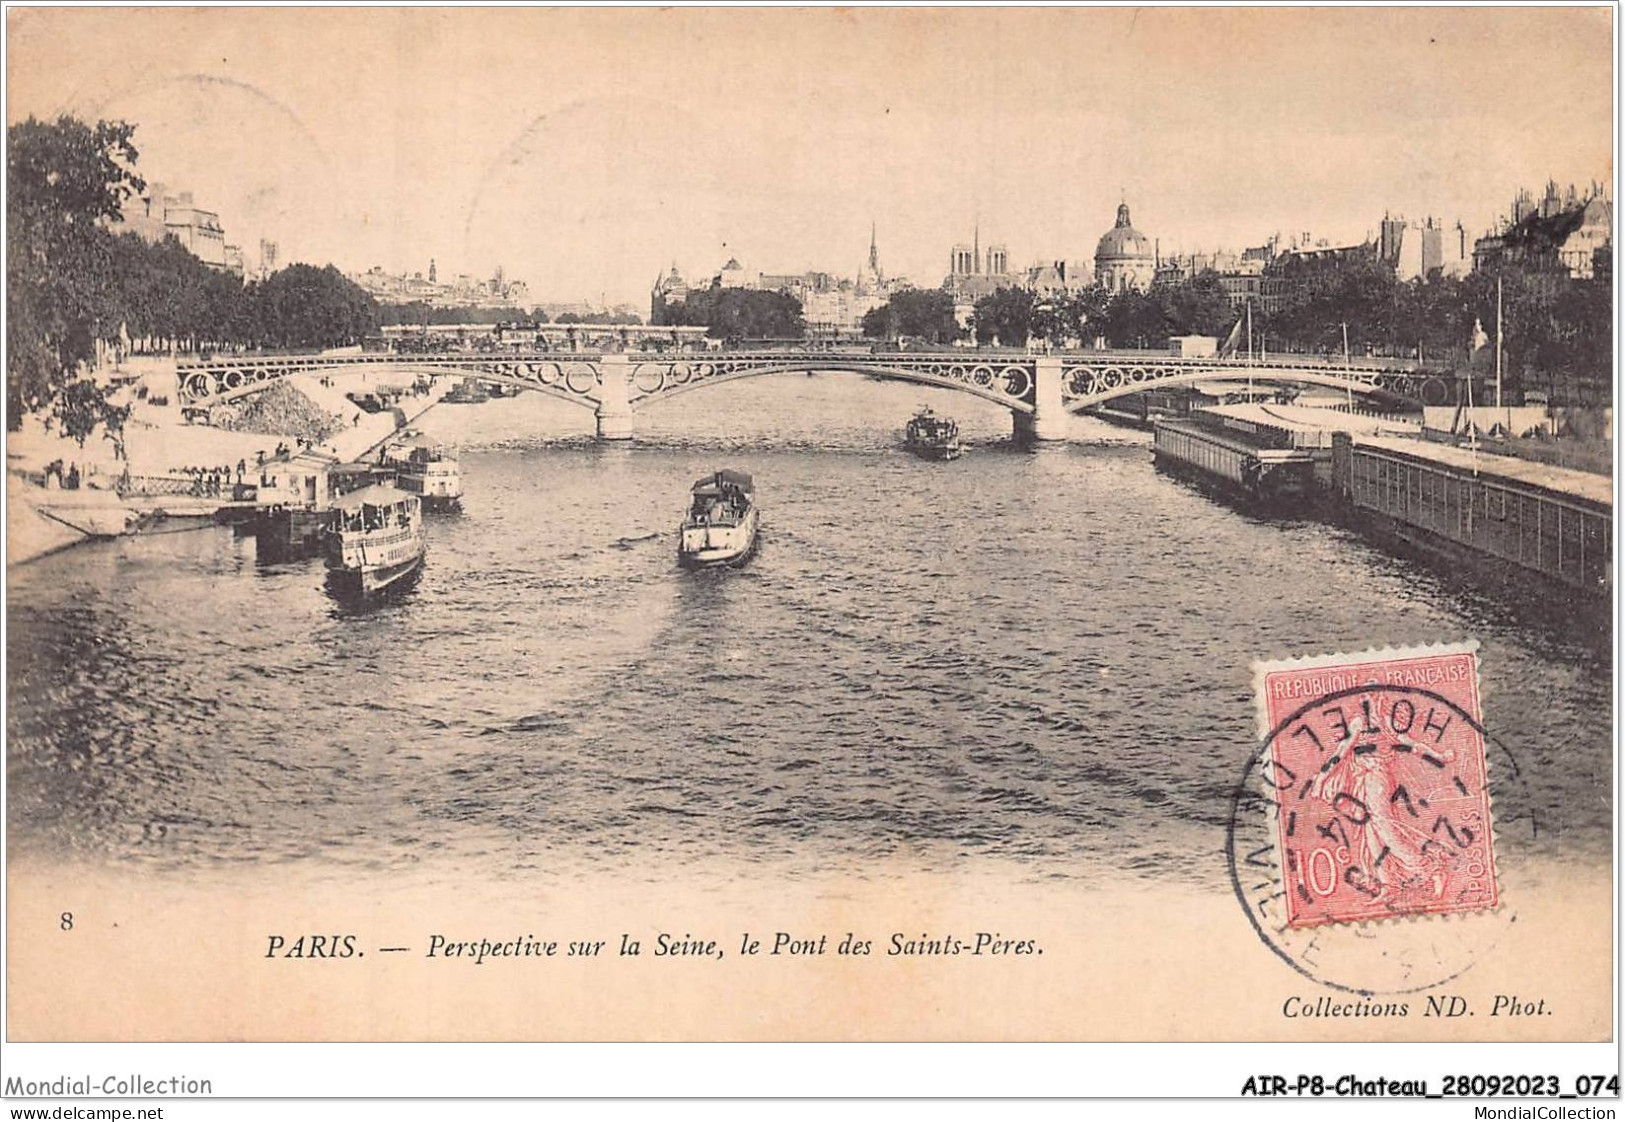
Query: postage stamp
x=1377, y=763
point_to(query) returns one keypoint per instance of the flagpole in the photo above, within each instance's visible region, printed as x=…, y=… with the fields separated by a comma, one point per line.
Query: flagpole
x=1249, y=352
x=1498, y=350
x=1472, y=431
x=1347, y=362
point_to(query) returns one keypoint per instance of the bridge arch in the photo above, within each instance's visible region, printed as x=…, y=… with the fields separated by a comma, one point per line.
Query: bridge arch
x=572, y=378
x=1005, y=383
x=1108, y=382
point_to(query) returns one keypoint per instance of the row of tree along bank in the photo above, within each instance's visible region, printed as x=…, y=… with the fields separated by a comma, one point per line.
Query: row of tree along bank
x=73, y=286
x=417, y=313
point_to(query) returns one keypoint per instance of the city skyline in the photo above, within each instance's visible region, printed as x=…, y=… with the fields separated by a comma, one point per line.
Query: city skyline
x=586, y=180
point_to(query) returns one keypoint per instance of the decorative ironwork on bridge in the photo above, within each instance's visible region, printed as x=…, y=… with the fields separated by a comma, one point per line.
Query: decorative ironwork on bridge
x=1039, y=390
x=213, y=381
x=1008, y=381
x=578, y=376
x=1096, y=380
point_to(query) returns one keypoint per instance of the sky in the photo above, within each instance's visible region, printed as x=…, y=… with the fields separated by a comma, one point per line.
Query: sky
x=586, y=150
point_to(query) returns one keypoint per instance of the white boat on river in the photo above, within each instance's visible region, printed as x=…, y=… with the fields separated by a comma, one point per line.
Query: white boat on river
x=720, y=528
x=375, y=539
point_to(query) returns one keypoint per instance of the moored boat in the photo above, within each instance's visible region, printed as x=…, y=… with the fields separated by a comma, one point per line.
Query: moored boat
x=932, y=437
x=722, y=520
x=424, y=467
x=375, y=539
x=1234, y=456
x=467, y=392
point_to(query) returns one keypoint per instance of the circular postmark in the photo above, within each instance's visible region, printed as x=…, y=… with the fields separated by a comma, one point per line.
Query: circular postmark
x=1360, y=840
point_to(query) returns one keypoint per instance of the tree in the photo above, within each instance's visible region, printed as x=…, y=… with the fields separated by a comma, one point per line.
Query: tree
x=304, y=307
x=1198, y=306
x=919, y=313
x=736, y=313
x=1136, y=319
x=749, y=313
x=1006, y=315
x=61, y=282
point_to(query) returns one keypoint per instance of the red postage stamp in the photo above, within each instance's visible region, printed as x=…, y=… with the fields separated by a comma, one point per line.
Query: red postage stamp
x=1377, y=764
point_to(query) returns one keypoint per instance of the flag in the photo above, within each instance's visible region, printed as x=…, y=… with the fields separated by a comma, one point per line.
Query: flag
x=1233, y=340
x=1480, y=357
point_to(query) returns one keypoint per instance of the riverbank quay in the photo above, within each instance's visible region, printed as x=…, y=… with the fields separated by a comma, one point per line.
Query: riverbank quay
x=1462, y=505
x=172, y=469
x=41, y=521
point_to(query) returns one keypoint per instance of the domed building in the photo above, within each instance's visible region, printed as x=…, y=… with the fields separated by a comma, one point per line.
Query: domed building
x=1124, y=258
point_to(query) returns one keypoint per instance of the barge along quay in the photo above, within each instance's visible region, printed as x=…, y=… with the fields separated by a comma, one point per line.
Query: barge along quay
x=1255, y=462
x=1404, y=485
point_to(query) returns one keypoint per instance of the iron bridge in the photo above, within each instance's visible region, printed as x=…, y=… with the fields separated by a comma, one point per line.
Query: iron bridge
x=1022, y=383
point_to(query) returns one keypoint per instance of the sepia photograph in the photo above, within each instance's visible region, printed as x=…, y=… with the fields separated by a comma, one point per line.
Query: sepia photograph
x=810, y=525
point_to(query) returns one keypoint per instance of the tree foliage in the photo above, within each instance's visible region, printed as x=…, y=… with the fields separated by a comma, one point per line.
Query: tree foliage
x=926, y=314
x=1003, y=316
x=419, y=312
x=303, y=306
x=62, y=178
x=73, y=285
x=599, y=319
x=736, y=313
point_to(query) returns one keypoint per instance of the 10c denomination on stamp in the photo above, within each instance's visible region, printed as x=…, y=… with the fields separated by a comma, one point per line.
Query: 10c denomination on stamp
x=1377, y=763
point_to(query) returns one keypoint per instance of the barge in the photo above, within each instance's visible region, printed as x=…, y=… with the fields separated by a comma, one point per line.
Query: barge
x=1492, y=511
x=1236, y=456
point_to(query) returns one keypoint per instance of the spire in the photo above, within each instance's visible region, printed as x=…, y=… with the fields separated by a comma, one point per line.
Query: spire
x=874, y=250
x=976, y=243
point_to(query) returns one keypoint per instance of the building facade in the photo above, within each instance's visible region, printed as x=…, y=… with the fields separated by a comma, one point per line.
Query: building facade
x=1125, y=258
x=463, y=292
x=157, y=214
x=1559, y=240
x=1419, y=250
x=831, y=306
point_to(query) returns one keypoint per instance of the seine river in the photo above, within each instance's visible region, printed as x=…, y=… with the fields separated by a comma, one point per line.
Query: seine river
x=1039, y=656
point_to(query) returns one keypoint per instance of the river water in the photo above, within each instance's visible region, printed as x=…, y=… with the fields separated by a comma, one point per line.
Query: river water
x=1039, y=656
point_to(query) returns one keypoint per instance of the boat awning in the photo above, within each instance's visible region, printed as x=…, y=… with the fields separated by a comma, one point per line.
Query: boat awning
x=725, y=477
x=379, y=494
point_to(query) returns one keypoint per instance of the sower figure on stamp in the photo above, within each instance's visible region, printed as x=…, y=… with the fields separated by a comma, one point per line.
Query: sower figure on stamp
x=1391, y=854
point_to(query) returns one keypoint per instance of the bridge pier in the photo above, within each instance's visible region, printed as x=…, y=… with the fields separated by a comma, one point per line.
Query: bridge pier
x=614, y=398
x=1047, y=421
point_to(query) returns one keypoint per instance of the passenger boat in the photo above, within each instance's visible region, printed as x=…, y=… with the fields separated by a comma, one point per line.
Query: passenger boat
x=721, y=525
x=932, y=437
x=467, y=392
x=294, y=501
x=375, y=539
x=424, y=467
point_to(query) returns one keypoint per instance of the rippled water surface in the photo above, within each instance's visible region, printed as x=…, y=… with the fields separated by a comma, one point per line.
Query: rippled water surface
x=1041, y=656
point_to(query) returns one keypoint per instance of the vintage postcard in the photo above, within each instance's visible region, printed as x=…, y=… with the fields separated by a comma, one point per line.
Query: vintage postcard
x=809, y=525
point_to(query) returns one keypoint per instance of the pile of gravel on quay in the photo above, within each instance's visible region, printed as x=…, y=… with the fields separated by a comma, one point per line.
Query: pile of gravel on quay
x=281, y=411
